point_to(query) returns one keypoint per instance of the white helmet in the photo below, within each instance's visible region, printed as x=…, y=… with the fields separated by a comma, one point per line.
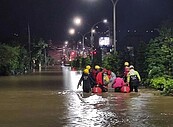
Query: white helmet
x=131, y=67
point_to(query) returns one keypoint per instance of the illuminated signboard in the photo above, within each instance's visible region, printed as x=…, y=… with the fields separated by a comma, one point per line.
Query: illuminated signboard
x=104, y=41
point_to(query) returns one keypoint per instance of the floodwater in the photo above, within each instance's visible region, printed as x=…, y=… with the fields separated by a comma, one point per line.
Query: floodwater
x=51, y=99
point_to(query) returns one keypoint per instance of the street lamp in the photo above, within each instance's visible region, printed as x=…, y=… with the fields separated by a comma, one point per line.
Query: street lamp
x=83, y=40
x=92, y=38
x=71, y=31
x=66, y=43
x=114, y=3
x=77, y=21
x=93, y=31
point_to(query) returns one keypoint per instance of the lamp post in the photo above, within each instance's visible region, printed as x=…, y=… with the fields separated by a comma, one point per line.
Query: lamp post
x=83, y=40
x=93, y=31
x=114, y=3
x=78, y=21
x=29, y=45
x=92, y=38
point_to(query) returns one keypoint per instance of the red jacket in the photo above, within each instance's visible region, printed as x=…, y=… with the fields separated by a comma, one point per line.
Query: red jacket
x=94, y=73
x=126, y=71
x=99, y=78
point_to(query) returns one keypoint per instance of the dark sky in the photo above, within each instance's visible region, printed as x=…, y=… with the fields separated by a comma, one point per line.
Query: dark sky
x=51, y=19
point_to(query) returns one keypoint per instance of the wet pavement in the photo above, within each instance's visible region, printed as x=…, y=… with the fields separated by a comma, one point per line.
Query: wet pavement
x=51, y=99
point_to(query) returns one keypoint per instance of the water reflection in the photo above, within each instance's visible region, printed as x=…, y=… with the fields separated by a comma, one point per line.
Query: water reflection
x=51, y=99
x=71, y=78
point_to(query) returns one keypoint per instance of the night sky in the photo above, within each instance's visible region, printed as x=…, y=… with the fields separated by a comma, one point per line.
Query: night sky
x=51, y=19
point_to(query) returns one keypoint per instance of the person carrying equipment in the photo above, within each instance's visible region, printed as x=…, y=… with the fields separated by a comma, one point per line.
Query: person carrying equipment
x=102, y=80
x=133, y=79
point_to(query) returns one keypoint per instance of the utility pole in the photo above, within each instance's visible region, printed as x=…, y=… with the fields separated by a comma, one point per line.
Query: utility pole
x=29, y=46
x=114, y=3
x=92, y=47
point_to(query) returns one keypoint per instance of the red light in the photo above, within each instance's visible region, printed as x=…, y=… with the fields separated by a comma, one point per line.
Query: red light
x=72, y=53
x=94, y=52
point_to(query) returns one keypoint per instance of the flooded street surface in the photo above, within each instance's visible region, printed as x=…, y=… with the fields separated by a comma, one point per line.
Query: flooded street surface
x=51, y=99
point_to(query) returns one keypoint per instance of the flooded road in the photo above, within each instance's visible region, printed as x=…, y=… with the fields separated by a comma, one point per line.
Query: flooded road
x=51, y=99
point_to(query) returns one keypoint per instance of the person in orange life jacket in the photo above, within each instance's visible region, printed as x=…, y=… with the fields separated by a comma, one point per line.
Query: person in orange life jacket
x=86, y=78
x=100, y=80
x=111, y=76
x=118, y=83
x=126, y=70
x=133, y=79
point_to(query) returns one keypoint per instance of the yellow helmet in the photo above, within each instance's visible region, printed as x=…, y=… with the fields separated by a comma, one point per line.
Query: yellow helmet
x=97, y=67
x=126, y=64
x=88, y=67
x=86, y=71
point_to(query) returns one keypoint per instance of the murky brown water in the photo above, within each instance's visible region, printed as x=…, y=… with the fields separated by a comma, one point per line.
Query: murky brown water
x=49, y=99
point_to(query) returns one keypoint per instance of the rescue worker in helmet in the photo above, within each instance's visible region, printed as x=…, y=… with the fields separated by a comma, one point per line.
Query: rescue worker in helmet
x=95, y=71
x=88, y=67
x=126, y=71
x=87, y=80
x=90, y=71
x=102, y=80
x=133, y=79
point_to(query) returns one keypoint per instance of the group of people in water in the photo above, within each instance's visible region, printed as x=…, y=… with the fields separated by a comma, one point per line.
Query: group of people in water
x=99, y=79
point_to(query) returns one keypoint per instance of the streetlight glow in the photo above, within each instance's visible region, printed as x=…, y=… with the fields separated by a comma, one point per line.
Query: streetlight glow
x=66, y=42
x=105, y=21
x=71, y=31
x=77, y=21
x=93, y=31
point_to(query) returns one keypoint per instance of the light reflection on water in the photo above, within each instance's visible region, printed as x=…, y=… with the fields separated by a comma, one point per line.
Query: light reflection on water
x=47, y=101
x=115, y=109
x=71, y=79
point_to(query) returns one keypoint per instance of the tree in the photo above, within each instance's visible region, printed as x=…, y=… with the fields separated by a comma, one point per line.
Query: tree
x=10, y=59
x=39, y=51
x=111, y=62
x=159, y=57
x=140, y=59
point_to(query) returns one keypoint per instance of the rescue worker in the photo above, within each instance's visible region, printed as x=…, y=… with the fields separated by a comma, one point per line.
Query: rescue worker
x=86, y=79
x=111, y=76
x=95, y=71
x=90, y=71
x=118, y=83
x=133, y=79
x=102, y=80
x=88, y=67
x=126, y=70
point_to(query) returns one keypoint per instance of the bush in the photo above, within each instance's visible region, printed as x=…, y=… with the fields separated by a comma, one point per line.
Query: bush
x=13, y=59
x=163, y=83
